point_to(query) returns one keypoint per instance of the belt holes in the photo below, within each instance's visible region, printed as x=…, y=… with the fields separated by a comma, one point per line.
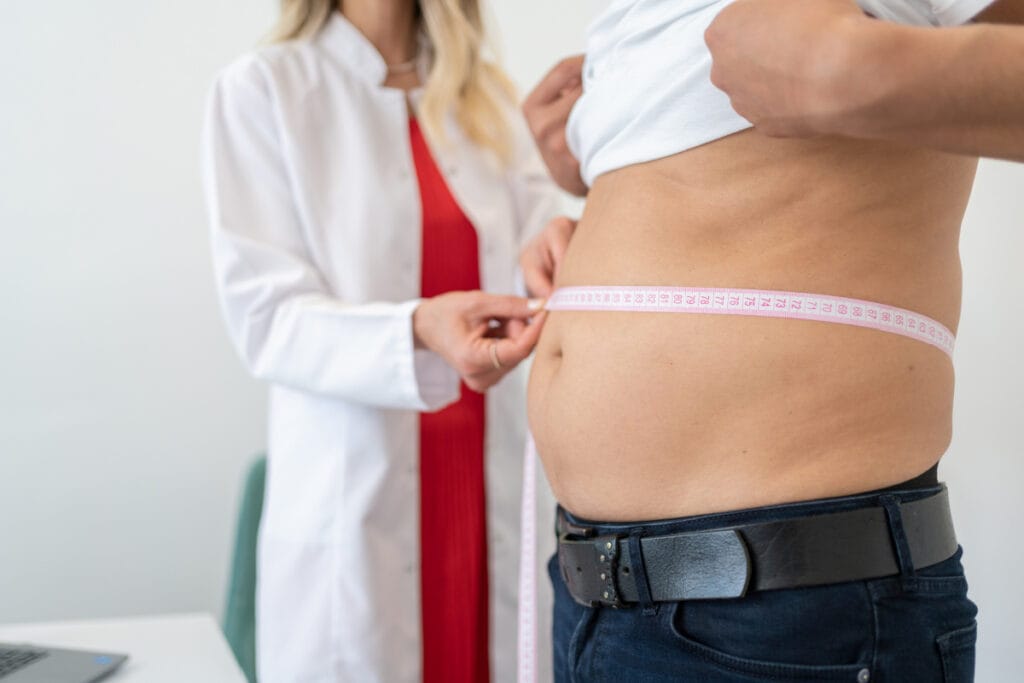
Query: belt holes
x=579, y=570
x=625, y=570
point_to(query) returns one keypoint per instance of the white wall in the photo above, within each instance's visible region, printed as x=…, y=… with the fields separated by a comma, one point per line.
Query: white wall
x=985, y=464
x=125, y=420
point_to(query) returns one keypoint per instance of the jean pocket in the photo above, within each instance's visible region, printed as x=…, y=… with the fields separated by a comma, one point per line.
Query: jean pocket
x=944, y=578
x=957, y=650
x=808, y=634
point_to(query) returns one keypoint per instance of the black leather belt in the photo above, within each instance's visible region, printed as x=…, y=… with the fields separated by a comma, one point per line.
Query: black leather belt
x=729, y=562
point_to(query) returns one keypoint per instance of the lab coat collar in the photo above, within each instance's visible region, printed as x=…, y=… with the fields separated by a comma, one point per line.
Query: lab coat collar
x=349, y=46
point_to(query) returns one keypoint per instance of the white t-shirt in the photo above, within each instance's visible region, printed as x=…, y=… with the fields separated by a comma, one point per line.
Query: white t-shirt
x=647, y=90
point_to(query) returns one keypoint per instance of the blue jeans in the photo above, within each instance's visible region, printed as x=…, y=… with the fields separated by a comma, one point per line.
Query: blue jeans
x=918, y=627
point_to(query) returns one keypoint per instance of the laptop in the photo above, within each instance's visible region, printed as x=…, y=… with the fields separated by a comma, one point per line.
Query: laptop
x=20, y=663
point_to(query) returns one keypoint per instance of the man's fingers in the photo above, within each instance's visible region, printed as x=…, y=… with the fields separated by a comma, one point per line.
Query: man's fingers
x=717, y=79
x=550, y=119
x=561, y=107
x=716, y=31
x=566, y=74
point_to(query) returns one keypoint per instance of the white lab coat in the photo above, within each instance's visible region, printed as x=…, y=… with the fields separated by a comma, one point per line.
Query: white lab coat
x=315, y=216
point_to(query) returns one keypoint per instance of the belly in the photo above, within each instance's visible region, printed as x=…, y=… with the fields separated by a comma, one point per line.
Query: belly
x=656, y=415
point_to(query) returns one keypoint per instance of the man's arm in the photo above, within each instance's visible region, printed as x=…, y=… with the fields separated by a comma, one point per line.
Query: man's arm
x=795, y=68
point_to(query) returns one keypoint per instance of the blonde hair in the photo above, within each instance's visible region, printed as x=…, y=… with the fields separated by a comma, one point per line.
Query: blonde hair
x=460, y=81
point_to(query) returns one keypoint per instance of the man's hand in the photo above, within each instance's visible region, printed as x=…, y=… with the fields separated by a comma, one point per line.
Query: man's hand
x=482, y=336
x=782, y=61
x=546, y=110
x=543, y=255
x=821, y=67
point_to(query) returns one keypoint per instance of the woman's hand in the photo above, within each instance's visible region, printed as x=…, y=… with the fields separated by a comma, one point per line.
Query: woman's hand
x=482, y=336
x=543, y=255
x=547, y=110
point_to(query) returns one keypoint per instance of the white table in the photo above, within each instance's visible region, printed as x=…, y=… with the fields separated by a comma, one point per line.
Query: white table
x=161, y=649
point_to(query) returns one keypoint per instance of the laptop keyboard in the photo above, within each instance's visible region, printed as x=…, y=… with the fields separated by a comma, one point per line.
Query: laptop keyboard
x=12, y=660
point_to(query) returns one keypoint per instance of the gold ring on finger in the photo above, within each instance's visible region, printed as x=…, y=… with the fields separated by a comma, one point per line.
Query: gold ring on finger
x=494, y=356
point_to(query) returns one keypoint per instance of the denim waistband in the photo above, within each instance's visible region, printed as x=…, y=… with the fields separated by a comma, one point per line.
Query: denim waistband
x=768, y=513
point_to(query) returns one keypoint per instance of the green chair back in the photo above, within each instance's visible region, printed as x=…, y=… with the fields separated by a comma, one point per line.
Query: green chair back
x=240, y=611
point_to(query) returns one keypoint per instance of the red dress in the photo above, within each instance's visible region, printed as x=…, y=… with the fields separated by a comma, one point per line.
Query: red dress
x=453, y=529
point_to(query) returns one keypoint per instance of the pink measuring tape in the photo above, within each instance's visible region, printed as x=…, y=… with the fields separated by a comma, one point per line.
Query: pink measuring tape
x=527, y=641
x=754, y=302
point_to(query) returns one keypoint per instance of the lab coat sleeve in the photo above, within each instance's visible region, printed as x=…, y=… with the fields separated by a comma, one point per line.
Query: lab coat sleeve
x=537, y=198
x=286, y=324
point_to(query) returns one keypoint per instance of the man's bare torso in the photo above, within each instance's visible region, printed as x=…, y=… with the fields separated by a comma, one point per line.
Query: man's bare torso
x=641, y=416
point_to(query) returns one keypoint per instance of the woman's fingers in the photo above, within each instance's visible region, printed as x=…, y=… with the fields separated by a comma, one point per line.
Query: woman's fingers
x=489, y=359
x=466, y=327
x=501, y=306
x=538, y=281
x=560, y=231
x=514, y=350
x=538, y=268
x=513, y=328
x=543, y=255
x=482, y=336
